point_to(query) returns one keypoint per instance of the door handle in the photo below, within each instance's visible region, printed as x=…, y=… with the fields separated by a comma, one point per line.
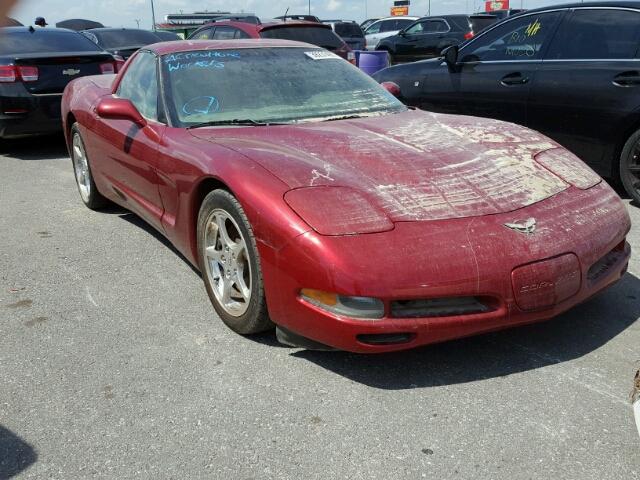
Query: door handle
x=514, y=79
x=627, y=79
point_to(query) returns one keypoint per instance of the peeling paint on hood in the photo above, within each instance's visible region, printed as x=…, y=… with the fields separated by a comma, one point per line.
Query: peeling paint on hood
x=414, y=165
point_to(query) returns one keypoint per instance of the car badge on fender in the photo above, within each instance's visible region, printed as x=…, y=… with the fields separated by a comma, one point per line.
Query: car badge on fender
x=70, y=71
x=528, y=226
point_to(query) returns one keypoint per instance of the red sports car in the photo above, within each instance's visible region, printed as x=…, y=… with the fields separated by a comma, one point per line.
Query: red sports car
x=308, y=196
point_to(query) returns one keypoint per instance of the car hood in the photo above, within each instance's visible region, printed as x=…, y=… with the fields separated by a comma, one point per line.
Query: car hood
x=414, y=165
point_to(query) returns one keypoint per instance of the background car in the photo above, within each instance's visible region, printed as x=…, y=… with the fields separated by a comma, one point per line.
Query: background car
x=314, y=33
x=35, y=67
x=570, y=72
x=349, y=31
x=385, y=27
x=309, y=197
x=427, y=37
x=121, y=41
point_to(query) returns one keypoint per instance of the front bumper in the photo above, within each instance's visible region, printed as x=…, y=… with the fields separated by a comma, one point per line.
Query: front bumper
x=452, y=258
x=24, y=114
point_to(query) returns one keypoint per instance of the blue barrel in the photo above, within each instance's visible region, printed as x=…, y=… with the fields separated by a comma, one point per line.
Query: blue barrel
x=370, y=61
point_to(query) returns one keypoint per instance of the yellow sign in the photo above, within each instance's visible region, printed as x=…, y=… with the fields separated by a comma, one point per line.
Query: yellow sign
x=398, y=11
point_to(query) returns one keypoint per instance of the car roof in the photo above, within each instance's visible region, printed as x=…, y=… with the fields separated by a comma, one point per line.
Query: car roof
x=584, y=5
x=398, y=17
x=165, y=48
x=37, y=30
x=114, y=29
x=270, y=23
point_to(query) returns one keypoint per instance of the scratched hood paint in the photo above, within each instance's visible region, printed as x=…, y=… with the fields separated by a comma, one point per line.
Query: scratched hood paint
x=414, y=165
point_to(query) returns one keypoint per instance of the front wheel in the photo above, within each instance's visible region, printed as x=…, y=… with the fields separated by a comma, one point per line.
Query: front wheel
x=230, y=264
x=630, y=167
x=84, y=179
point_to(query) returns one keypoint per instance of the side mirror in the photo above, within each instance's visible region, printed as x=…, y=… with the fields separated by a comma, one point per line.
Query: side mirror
x=402, y=33
x=450, y=55
x=392, y=88
x=120, y=109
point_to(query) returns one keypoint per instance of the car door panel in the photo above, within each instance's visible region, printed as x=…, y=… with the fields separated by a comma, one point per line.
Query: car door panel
x=585, y=103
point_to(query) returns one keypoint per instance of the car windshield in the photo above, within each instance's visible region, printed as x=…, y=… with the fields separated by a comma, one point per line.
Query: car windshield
x=269, y=85
x=42, y=41
x=125, y=38
x=320, y=36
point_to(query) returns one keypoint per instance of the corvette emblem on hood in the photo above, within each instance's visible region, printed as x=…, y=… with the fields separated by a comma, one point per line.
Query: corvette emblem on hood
x=528, y=226
x=70, y=71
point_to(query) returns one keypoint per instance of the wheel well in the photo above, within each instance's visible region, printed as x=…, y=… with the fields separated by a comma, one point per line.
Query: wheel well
x=202, y=190
x=71, y=119
x=615, y=162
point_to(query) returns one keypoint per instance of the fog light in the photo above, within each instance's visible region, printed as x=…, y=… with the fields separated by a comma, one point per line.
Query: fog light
x=355, y=307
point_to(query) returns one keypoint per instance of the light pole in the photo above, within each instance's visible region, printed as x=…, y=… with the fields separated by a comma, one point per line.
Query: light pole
x=309, y=7
x=137, y=22
x=153, y=16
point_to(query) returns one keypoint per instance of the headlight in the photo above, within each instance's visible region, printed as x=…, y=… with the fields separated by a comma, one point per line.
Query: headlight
x=354, y=307
x=337, y=211
x=568, y=167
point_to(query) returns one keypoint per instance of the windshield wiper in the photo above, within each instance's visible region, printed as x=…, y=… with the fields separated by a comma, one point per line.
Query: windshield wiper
x=344, y=117
x=235, y=121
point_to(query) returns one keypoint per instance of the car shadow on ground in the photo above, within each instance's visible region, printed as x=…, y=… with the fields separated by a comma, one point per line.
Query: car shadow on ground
x=16, y=455
x=572, y=335
x=50, y=147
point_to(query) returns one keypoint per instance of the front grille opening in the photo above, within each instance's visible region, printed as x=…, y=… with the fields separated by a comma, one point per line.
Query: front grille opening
x=385, y=338
x=442, y=307
x=602, y=266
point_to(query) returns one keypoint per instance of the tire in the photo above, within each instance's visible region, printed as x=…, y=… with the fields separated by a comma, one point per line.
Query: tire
x=230, y=265
x=89, y=193
x=630, y=167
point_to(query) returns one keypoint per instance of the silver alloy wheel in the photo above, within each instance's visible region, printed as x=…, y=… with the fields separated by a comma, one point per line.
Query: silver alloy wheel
x=81, y=168
x=227, y=265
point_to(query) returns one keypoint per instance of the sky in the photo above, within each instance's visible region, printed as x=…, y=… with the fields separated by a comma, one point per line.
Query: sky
x=123, y=13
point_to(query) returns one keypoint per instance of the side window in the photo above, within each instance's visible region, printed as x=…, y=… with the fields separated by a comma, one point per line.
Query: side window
x=417, y=28
x=437, y=26
x=241, y=34
x=204, y=34
x=522, y=38
x=597, y=34
x=388, y=26
x=373, y=28
x=224, y=33
x=140, y=85
x=400, y=24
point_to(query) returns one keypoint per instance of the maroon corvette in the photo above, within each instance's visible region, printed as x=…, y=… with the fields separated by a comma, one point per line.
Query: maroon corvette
x=310, y=198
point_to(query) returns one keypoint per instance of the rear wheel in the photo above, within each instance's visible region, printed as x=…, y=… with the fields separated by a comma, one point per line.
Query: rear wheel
x=630, y=167
x=84, y=179
x=230, y=264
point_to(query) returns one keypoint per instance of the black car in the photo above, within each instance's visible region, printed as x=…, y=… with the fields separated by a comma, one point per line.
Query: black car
x=123, y=42
x=427, y=37
x=348, y=31
x=35, y=66
x=571, y=72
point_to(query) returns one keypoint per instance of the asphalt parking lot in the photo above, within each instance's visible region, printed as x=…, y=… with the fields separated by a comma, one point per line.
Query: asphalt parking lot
x=113, y=365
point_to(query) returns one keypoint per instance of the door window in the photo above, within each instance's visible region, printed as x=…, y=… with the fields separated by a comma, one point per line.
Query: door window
x=401, y=23
x=597, y=34
x=241, y=34
x=224, y=33
x=204, y=34
x=388, y=26
x=522, y=38
x=437, y=26
x=417, y=28
x=375, y=28
x=140, y=85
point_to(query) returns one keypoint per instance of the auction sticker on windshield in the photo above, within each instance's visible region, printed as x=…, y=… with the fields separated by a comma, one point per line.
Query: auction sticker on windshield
x=321, y=55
